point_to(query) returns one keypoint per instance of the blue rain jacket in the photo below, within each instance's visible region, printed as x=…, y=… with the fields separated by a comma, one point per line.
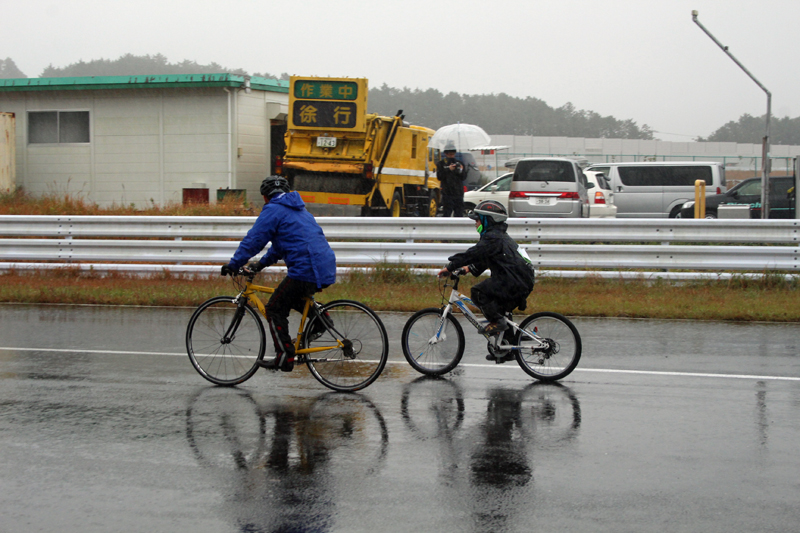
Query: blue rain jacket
x=296, y=238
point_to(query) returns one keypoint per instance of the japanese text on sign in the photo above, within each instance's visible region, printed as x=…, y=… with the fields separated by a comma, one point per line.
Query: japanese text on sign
x=324, y=114
x=325, y=90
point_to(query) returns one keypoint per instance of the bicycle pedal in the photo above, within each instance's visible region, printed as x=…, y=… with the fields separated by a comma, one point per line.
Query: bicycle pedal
x=505, y=359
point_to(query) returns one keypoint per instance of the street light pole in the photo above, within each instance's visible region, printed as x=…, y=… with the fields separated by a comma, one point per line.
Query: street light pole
x=765, y=161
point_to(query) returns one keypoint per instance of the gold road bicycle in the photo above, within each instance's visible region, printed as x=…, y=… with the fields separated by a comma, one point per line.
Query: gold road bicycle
x=343, y=343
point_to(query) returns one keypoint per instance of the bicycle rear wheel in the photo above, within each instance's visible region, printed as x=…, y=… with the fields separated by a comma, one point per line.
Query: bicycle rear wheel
x=366, y=350
x=224, y=341
x=561, y=352
x=430, y=346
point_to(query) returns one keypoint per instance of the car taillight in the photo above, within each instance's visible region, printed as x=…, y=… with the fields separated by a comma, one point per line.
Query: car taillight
x=719, y=190
x=599, y=198
x=526, y=194
x=465, y=188
x=368, y=171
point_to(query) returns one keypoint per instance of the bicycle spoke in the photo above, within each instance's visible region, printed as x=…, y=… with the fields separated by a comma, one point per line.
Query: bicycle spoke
x=430, y=346
x=221, y=360
x=362, y=358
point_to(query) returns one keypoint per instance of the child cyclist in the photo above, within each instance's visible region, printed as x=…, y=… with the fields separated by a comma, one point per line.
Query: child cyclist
x=512, y=274
x=299, y=241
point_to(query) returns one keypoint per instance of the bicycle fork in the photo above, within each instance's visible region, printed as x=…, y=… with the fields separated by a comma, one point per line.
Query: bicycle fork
x=440, y=335
x=230, y=334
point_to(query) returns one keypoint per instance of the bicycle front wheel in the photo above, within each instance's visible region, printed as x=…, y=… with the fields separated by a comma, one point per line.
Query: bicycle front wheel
x=432, y=344
x=224, y=340
x=364, y=354
x=554, y=352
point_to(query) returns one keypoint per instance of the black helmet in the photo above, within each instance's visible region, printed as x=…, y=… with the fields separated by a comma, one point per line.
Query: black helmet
x=273, y=185
x=490, y=209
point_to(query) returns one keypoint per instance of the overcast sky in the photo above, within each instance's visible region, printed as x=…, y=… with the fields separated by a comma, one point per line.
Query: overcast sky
x=643, y=60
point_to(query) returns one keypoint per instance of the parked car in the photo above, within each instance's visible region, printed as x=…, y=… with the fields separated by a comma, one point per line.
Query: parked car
x=749, y=192
x=548, y=187
x=601, y=197
x=659, y=188
x=496, y=189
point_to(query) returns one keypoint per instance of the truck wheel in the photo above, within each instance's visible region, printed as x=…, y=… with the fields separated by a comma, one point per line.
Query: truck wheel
x=433, y=207
x=396, y=206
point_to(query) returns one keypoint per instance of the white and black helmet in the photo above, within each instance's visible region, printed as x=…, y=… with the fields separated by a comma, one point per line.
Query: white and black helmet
x=273, y=185
x=490, y=209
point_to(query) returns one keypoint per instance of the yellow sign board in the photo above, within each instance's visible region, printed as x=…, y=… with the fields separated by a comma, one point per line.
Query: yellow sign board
x=327, y=103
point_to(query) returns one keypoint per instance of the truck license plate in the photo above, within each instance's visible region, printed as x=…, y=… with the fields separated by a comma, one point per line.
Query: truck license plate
x=326, y=142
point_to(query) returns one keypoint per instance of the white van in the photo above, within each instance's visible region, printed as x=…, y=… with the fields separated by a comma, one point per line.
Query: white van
x=658, y=189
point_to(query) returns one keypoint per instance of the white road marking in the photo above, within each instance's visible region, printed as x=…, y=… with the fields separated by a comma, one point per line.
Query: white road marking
x=476, y=365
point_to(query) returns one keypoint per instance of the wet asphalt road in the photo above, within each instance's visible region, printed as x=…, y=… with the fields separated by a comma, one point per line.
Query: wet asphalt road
x=664, y=426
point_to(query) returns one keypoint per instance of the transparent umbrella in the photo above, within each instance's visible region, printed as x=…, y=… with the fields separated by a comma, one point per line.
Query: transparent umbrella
x=464, y=136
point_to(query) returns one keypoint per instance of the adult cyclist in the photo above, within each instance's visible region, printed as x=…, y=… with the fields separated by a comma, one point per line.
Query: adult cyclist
x=299, y=241
x=512, y=274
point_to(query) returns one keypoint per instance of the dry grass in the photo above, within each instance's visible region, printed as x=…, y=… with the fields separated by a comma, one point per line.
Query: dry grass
x=770, y=298
x=60, y=203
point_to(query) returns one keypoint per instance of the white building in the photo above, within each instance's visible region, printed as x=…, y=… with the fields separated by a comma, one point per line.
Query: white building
x=144, y=139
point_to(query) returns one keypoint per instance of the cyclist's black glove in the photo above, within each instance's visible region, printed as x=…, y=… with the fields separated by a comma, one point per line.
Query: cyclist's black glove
x=255, y=266
x=226, y=270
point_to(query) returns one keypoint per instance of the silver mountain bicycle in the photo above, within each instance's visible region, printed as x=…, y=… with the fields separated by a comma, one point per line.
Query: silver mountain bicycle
x=546, y=345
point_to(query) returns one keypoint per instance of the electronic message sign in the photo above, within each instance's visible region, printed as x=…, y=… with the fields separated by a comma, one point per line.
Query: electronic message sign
x=327, y=103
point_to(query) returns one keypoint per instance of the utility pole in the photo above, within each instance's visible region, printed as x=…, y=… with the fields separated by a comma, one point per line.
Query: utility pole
x=765, y=160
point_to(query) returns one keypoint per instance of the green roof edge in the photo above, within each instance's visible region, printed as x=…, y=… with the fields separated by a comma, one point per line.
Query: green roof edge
x=142, y=82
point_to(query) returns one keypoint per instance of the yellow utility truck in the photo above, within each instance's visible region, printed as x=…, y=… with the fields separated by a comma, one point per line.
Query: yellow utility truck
x=337, y=153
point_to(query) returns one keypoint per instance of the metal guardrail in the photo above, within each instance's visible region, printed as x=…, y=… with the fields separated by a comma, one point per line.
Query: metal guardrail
x=660, y=244
x=337, y=228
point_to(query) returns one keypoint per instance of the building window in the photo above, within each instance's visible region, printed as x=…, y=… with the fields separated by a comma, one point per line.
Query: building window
x=58, y=127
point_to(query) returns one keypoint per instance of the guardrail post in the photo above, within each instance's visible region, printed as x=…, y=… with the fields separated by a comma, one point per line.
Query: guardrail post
x=700, y=199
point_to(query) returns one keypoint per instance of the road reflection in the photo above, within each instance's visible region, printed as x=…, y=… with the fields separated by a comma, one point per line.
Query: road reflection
x=279, y=466
x=486, y=469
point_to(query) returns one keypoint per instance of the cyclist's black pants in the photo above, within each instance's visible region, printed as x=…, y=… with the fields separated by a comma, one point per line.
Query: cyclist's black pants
x=288, y=295
x=491, y=296
x=452, y=205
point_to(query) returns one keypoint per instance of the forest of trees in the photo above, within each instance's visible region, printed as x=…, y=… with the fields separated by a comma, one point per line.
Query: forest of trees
x=9, y=69
x=782, y=130
x=498, y=114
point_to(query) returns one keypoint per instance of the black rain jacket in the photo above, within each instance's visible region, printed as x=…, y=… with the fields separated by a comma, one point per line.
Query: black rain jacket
x=452, y=180
x=512, y=275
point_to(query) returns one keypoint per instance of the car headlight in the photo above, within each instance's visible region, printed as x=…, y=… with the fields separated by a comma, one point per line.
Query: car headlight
x=687, y=205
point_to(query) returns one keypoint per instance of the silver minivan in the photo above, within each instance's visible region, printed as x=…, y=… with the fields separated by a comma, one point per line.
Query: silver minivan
x=659, y=189
x=548, y=187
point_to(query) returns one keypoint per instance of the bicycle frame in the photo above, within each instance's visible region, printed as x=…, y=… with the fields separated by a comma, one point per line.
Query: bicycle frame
x=249, y=292
x=461, y=301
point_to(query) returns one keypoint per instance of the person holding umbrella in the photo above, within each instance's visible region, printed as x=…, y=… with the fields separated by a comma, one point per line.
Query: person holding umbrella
x=451, y=174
